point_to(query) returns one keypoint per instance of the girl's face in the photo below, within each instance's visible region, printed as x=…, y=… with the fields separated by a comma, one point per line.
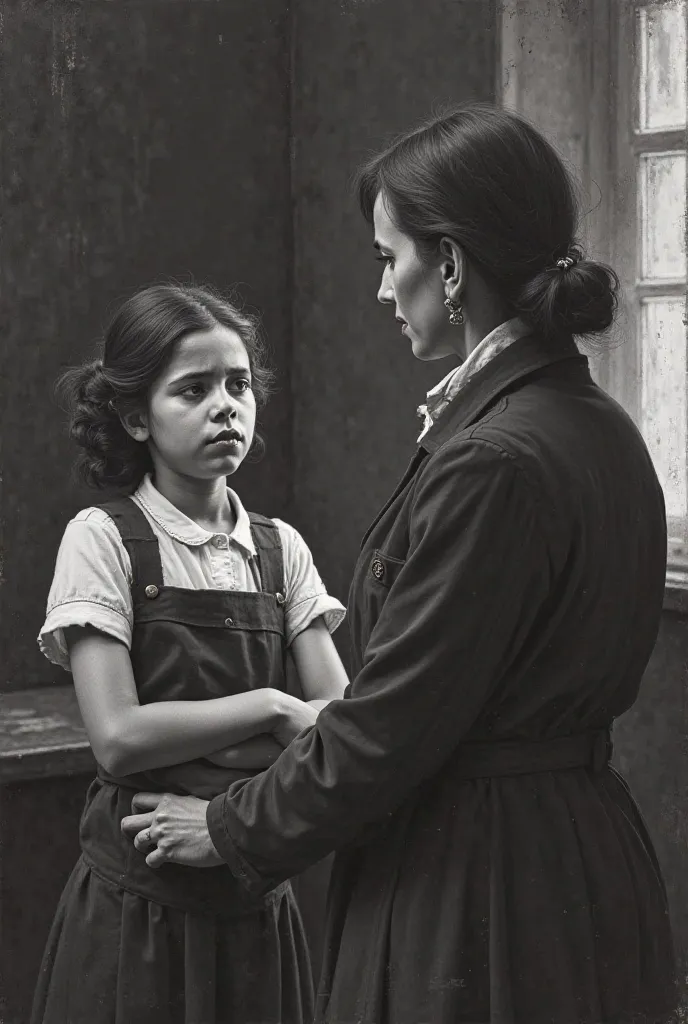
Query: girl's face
x=416, y=289
x=201, y=412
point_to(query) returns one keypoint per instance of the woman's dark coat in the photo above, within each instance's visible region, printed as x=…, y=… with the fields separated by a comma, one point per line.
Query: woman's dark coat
x=510, y=590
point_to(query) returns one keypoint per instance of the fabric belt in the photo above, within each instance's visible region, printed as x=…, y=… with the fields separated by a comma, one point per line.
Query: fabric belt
x=523, y=757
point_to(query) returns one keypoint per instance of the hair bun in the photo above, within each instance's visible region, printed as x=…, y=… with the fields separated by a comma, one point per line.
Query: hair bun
x=575, y=296
x=94, y=385
x=96, y=427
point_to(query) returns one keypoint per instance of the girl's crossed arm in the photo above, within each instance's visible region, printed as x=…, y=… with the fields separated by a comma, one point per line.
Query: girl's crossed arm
x=322, y=677
x=128, y=737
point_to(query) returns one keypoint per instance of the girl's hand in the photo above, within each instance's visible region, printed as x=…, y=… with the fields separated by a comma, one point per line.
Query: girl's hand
x=255, y=754
x=294, y=716
x=320, y=704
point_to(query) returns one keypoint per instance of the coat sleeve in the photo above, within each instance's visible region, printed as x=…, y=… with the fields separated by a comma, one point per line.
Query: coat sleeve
x=457, y=614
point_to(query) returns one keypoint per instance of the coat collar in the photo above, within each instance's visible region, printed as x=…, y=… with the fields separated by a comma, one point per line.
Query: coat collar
x=519, y=360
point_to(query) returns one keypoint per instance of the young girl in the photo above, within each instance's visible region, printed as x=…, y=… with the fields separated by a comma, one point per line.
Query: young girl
x=174, y=609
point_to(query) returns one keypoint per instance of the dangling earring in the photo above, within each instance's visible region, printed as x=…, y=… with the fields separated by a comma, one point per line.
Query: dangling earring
x=455, y=311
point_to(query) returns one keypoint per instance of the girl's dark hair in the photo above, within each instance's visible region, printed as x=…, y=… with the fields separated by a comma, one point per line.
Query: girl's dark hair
x=488, y=179
x=138, y=344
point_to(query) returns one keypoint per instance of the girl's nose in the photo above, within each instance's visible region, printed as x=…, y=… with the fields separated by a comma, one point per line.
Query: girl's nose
x=385, y=292
x=224, y=405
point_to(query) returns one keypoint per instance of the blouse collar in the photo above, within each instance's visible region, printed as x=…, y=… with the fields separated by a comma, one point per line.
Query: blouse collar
x=177, y=525
x=439, y=397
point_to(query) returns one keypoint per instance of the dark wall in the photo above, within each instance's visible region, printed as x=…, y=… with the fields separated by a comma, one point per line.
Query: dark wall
x=151, y=139
x=652, y=752
x=363, y=71
x=142, y=140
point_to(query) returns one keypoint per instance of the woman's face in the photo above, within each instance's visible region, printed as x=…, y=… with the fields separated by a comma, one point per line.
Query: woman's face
x=416, y=289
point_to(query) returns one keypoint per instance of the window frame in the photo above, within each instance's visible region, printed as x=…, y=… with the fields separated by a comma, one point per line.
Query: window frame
x=616, y=169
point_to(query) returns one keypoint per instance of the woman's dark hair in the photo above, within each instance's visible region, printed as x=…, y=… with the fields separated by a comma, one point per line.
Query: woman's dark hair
x=138, y=345
x=488, y=179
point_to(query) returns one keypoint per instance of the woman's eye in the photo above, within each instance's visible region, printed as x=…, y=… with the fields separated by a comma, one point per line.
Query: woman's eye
x=389, y=260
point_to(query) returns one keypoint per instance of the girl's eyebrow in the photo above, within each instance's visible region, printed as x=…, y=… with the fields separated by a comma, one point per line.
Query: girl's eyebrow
x=200, y=374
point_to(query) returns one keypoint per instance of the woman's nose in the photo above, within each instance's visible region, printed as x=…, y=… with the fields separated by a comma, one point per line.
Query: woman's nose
x=385, y=292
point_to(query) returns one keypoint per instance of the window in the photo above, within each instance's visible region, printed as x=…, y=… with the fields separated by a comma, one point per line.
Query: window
x=648, y=373
x=606, y=82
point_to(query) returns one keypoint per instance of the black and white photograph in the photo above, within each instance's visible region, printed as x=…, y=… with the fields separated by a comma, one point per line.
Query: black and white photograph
x=344, y=524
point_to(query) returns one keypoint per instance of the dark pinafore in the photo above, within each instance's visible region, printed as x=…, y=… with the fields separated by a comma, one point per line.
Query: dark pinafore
x=177, y=945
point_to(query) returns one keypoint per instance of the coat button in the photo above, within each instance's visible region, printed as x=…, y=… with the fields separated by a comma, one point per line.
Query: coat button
x=377, y=569
x=151, y=591
x=280, y=598
x=229, y=622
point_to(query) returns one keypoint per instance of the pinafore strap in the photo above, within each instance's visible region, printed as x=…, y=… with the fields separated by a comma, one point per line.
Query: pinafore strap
x=138, y=539
x=269, y=554
x=144, y=551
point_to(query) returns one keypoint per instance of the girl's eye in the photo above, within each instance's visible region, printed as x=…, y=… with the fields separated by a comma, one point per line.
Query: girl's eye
x=241, y=384
x=192, y=390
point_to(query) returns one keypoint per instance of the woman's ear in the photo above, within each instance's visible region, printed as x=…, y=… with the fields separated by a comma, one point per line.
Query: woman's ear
x=454, y=268
x=136, y=425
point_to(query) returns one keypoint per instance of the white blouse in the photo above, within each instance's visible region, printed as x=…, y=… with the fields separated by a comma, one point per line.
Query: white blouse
x=93, y=576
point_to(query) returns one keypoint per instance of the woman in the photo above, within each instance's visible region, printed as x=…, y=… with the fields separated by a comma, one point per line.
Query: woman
x=492, y=866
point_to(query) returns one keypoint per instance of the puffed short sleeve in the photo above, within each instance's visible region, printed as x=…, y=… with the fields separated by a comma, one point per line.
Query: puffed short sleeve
x=91, y=585
x=305, y=592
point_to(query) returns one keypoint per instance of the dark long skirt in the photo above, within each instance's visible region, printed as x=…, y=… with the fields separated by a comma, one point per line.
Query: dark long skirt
x=114, y=957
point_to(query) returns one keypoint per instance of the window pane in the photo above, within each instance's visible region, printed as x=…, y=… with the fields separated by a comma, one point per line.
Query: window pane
x=662, y=48
x=664, y=396
x=663, y=215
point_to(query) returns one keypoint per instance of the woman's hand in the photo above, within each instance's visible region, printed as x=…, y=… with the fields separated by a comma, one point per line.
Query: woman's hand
x=255, y=754
x=294, y=716
x=171, y=829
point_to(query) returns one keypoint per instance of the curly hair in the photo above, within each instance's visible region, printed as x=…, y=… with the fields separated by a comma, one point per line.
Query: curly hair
x=138, y=345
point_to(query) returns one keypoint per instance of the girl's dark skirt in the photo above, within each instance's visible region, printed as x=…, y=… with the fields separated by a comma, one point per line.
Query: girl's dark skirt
x=115, y=957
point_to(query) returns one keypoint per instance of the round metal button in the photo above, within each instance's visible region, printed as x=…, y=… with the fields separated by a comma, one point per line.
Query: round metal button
x=219, y=541
x=151, y=591
x=229, y=622
x=280, y=598
x=377, y=569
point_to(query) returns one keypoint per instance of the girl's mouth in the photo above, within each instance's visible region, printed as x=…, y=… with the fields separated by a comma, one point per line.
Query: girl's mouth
x=227, y=439
x=226, y=443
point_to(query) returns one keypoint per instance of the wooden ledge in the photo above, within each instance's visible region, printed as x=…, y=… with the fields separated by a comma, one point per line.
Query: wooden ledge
x=42, y=735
